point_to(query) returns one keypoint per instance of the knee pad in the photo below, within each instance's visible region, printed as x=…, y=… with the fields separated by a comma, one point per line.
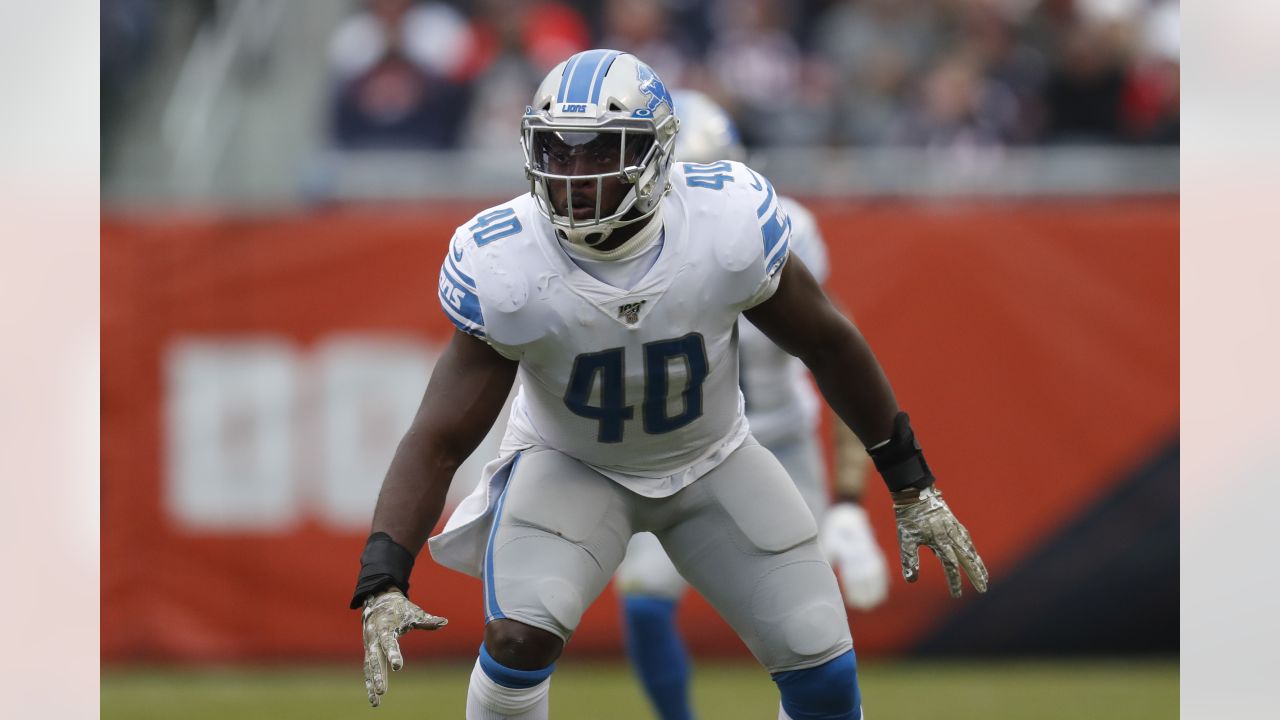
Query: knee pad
x=563, y=602
x=801, y=616
x=551, y=602
x=558, y=535
x=826, y=692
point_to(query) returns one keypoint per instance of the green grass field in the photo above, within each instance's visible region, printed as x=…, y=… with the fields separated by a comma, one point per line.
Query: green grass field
x=582, y=689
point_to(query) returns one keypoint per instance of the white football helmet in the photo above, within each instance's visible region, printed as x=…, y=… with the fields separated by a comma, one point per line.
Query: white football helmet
x=603, y=103
x=707, y=133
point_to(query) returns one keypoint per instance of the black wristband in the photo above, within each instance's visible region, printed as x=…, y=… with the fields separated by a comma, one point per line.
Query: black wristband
x=900, y=461
x=383, y=563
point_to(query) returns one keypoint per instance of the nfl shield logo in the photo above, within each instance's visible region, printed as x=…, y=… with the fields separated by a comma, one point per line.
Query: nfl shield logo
x=630, y=312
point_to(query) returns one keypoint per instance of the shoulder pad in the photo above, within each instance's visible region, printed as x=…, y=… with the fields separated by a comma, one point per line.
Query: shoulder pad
x=736, y=212
x=495, y=239
x=481, y=280
x=756, y=226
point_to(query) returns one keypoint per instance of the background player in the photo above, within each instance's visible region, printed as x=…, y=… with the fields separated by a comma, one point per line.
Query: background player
x=782, y=410
x=614, y=290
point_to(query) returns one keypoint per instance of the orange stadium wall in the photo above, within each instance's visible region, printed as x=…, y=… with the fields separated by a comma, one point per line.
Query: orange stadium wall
x=257, y=372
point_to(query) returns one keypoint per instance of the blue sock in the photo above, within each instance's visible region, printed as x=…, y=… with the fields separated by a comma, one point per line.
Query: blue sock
x=658, y=655
x=826, y=692
x=510, y=677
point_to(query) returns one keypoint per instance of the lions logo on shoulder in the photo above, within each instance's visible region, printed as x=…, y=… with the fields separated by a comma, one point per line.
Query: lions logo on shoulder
x=630, y=312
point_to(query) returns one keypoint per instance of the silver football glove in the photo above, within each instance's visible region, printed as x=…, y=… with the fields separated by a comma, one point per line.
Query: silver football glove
x=851, y=548
x=924, y=519
x=386, y=617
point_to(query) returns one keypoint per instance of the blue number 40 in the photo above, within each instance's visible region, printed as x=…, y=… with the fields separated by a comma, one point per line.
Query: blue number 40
x=487, y=227
x=711, y=175
x=605, y=369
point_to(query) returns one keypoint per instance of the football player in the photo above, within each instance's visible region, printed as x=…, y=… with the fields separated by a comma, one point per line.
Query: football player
x=782, y=412
x=613, y=290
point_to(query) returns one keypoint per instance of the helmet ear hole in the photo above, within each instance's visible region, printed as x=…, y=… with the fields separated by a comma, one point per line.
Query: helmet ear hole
x=546, y=106
x=615, y=107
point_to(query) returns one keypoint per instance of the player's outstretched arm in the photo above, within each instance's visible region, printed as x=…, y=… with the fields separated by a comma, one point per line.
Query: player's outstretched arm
x=466, y=392
x=802, y=321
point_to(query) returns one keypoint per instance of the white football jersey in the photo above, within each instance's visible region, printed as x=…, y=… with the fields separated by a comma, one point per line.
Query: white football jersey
x=782, y=405
x=641, y=384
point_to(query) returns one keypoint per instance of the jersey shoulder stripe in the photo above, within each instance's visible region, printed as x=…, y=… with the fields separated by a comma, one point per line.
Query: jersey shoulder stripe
x=457, y=273
x=775, y=224
x=746, y=227
x=759, y=183
x=806, y=239
x=461, y=303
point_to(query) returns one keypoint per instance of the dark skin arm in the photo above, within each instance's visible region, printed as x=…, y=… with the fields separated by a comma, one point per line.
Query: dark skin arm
x=801, y=320
x=466, y=392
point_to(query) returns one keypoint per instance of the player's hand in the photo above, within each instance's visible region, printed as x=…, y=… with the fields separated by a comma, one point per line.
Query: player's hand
x=851, y=548
x=386, y=617
x=924, y=519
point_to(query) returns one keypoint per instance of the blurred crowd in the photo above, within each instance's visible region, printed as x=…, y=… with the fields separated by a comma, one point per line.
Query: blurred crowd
x=438, y=74
x=445, y=74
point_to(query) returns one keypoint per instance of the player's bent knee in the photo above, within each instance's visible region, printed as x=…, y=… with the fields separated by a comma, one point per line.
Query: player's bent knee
x=826, y=692
x=815, y=630
x=519, y=647
x=510, y=677
x=801, y=616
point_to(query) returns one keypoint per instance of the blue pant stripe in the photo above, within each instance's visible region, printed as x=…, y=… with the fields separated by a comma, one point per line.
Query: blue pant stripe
x=492, y=611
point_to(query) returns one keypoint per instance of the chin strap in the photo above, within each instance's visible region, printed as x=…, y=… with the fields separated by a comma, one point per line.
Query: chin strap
x=635, y=245
x=578, y=237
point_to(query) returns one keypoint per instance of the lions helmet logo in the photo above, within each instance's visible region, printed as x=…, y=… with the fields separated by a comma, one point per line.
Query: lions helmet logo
x=652, y=86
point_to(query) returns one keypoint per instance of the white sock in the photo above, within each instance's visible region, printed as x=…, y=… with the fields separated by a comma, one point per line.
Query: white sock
x=487, y=700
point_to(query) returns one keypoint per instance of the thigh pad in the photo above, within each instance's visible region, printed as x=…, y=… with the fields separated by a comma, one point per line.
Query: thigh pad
x=555, y=493
x=764, y=504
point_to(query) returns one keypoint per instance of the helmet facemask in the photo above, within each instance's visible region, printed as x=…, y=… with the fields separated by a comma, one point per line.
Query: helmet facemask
x=570, y=165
